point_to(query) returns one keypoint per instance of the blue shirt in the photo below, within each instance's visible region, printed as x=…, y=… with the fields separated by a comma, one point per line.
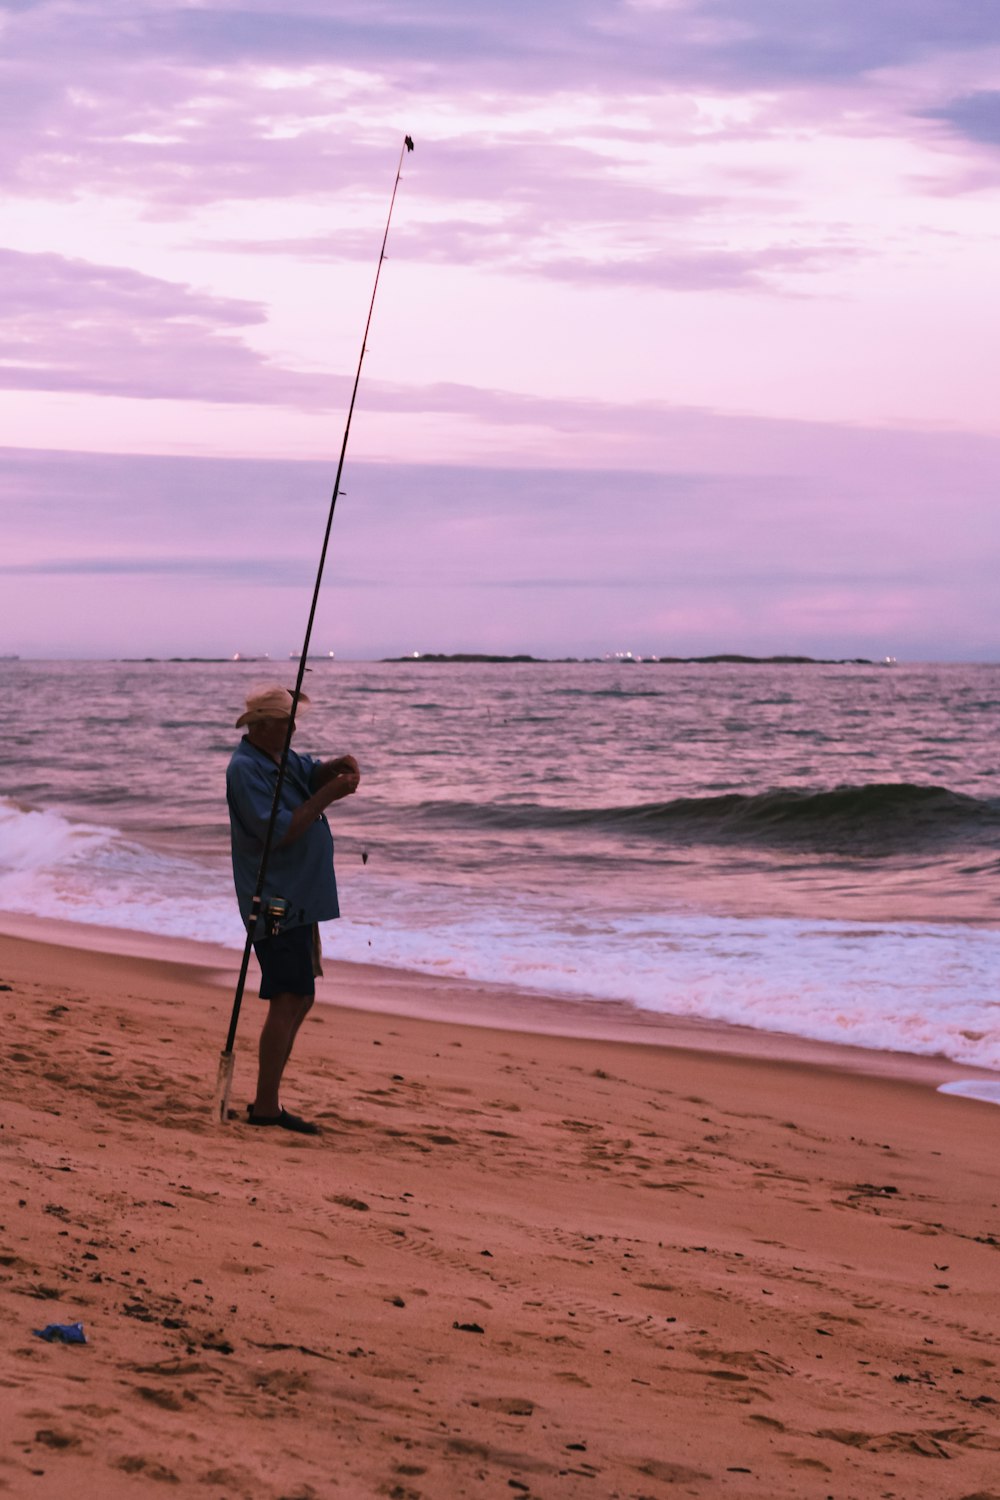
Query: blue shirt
x=301, y=872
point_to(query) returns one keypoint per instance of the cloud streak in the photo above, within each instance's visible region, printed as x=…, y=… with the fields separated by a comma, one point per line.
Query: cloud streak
x=763, y=42
x=975, y=115
x=503, y=247
x=69, y=325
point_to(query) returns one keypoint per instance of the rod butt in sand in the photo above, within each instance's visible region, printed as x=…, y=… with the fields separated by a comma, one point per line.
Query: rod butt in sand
x=223, y=1084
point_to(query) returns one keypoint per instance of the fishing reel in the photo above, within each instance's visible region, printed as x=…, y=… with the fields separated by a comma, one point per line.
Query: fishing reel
x=275, y=912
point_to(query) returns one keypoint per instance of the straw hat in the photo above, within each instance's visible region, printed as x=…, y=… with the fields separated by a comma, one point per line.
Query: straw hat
x=270, y=701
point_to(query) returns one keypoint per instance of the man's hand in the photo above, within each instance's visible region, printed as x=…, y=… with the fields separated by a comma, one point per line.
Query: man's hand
x=343, y=765
x=336, y=779
x=343, y=785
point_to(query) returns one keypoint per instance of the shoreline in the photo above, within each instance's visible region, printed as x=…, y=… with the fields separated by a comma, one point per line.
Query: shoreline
x=382, y=990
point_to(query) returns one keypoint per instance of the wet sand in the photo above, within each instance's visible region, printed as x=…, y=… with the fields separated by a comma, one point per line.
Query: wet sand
x=514, y=1264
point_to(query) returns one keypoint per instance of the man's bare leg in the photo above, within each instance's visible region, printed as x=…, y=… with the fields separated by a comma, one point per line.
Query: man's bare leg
x=305, y=1006
x=285, y=1015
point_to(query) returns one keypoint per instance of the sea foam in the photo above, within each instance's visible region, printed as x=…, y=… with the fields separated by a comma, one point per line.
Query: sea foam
x=928, y=988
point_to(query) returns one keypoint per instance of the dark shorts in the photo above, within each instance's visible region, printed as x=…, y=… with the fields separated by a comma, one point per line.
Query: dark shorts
x=287, y=963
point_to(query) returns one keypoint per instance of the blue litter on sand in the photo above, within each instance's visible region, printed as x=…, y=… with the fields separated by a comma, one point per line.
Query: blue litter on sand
x=61, y=1333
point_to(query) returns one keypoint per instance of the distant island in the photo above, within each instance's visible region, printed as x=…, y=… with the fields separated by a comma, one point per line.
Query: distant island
x=484, y=656
x=619, y=658
x=628, y=659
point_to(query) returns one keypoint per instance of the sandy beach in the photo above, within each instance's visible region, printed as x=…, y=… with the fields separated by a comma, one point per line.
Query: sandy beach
x=514, y=1263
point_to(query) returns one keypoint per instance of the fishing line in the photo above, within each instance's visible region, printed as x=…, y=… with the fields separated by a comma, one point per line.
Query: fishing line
x=225, y=1077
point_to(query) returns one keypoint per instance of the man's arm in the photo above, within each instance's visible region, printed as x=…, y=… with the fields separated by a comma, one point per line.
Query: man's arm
x=337, y=779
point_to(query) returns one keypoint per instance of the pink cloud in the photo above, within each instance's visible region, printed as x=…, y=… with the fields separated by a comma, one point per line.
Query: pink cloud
x=522, y=248
x=71, y=325
x=171, y=104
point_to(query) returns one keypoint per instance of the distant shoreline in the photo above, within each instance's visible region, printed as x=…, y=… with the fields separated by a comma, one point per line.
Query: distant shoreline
x=723, y=658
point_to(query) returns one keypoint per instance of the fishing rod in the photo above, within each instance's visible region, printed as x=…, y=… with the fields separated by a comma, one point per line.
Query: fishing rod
x=226, y=1060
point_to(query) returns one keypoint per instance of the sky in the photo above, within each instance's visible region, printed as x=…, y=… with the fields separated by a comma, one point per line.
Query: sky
x=685, y=340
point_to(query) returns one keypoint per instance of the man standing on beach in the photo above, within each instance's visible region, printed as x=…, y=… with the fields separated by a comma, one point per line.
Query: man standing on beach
x=300, y=889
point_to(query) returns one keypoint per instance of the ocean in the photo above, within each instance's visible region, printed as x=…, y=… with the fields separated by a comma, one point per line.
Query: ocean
x=810, y=849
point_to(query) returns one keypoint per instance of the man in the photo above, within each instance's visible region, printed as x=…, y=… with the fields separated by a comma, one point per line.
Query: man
x=300, y=888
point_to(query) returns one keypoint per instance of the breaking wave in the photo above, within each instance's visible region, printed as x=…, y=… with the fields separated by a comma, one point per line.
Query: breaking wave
x=878, y=819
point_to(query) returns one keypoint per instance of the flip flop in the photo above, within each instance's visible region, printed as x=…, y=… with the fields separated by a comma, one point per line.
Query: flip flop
x=284, y=1120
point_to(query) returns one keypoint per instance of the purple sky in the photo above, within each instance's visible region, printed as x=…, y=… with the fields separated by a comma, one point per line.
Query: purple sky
x=686, y=341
